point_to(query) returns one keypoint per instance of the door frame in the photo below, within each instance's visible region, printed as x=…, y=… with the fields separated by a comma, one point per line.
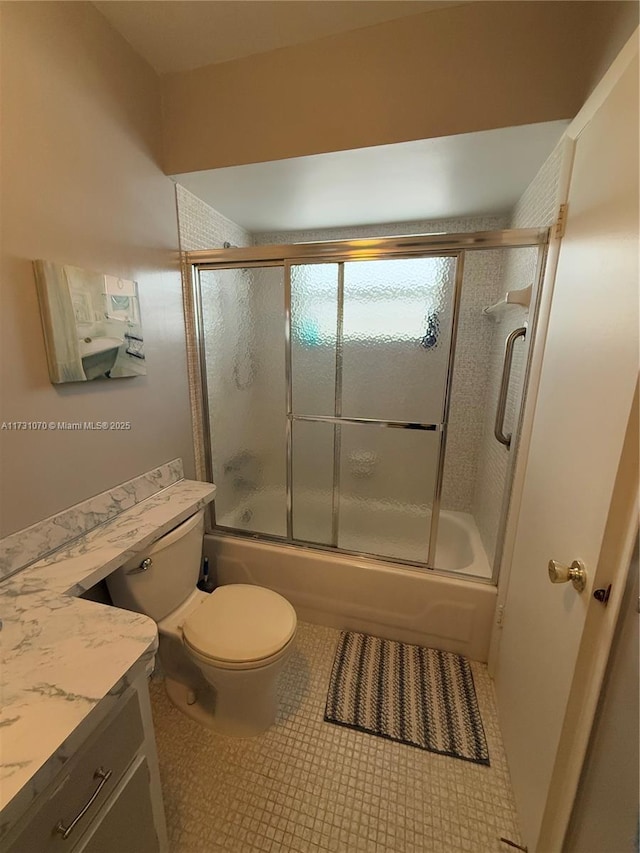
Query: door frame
x=620, y=532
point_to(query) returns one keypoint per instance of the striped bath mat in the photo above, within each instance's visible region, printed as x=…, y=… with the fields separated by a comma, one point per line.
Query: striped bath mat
x=421, y=697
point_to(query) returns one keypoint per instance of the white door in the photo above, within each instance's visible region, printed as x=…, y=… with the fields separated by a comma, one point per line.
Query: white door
x=583, y=407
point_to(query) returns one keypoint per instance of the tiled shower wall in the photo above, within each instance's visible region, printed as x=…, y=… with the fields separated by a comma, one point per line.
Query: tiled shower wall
x=201, y=227
x=389, y=229
x=537, y=208
x=481, y=286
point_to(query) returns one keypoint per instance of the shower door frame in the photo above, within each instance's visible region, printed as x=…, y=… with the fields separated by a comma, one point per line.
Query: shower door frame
x=340, y=252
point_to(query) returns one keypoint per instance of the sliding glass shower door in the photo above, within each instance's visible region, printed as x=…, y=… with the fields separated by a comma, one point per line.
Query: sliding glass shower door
x=326, y=390
x=242, y=320
x=369, y=354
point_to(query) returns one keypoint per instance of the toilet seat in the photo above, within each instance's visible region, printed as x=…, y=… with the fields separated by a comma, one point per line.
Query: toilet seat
x=240, y=626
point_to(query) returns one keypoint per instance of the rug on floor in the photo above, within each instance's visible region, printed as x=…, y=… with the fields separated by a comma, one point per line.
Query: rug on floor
x=414, y=695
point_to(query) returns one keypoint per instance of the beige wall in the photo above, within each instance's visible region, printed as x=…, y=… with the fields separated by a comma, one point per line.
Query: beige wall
x=81, y=185
x=468, y=68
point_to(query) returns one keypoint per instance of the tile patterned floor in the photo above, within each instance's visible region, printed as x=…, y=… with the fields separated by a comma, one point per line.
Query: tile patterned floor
x=309, y=786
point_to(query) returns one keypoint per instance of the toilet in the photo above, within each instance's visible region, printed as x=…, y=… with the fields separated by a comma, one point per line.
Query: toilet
x=222, y=652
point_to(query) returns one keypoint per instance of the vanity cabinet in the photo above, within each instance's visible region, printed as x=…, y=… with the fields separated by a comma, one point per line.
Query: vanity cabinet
x=126, y=821
x=107, y=797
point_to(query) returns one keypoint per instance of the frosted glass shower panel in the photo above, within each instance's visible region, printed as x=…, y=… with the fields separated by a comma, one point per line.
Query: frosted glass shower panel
x=313, y=495
x=387, y=483
x=397, y=332
x=314, y=329
x=242, y=330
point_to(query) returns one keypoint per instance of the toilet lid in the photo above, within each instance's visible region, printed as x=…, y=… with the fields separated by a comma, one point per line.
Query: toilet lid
x=240, y=623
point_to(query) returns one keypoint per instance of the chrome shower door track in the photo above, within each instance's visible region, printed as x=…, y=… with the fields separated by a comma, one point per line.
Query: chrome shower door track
x=375, y=249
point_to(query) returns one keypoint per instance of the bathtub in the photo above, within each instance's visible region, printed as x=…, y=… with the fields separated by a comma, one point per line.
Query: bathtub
x=372, y=596
x=396, y=531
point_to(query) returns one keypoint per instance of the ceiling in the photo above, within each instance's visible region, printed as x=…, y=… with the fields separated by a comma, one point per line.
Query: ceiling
x=178, y=35
x=464, y=175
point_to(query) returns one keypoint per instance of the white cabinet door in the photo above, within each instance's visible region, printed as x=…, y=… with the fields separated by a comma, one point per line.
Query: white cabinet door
x=582, y=411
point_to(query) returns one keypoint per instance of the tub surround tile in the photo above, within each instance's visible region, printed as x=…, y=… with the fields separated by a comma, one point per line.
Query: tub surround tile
x=24, y=547
x=62, y=656
x=537, y=208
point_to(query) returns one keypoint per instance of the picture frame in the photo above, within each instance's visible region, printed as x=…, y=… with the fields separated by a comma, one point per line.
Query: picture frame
x=92, y=324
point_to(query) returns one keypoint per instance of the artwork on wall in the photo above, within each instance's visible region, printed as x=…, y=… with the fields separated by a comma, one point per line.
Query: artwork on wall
x=92, y=325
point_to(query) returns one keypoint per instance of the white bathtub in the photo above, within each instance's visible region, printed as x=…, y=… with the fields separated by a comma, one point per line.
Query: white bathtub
x=414, y=606
x=373, y=527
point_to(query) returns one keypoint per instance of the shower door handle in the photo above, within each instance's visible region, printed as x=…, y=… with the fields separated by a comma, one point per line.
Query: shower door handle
x=498, y=430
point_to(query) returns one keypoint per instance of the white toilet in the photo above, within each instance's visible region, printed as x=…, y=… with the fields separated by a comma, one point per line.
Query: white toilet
x=234, y=640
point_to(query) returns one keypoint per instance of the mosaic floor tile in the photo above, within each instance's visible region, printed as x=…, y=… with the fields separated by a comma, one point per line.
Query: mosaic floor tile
x=312, y=787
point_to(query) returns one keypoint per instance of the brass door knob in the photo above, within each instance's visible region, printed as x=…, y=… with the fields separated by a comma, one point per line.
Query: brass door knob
x=576, y=573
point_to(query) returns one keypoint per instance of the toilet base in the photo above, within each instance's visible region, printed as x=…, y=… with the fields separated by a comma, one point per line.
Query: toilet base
x=200, y=706
x=202, y=710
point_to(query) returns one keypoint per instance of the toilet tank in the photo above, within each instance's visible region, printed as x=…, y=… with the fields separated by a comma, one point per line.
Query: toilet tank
x=171, y=576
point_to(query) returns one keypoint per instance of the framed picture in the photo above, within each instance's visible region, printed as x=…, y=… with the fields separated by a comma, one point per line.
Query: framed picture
x=92, y=324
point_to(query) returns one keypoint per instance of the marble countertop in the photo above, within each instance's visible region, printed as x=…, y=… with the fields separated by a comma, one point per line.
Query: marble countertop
x=63, y=655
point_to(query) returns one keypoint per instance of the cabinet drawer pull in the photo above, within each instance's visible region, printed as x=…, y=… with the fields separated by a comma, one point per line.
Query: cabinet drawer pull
x=104, y=776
